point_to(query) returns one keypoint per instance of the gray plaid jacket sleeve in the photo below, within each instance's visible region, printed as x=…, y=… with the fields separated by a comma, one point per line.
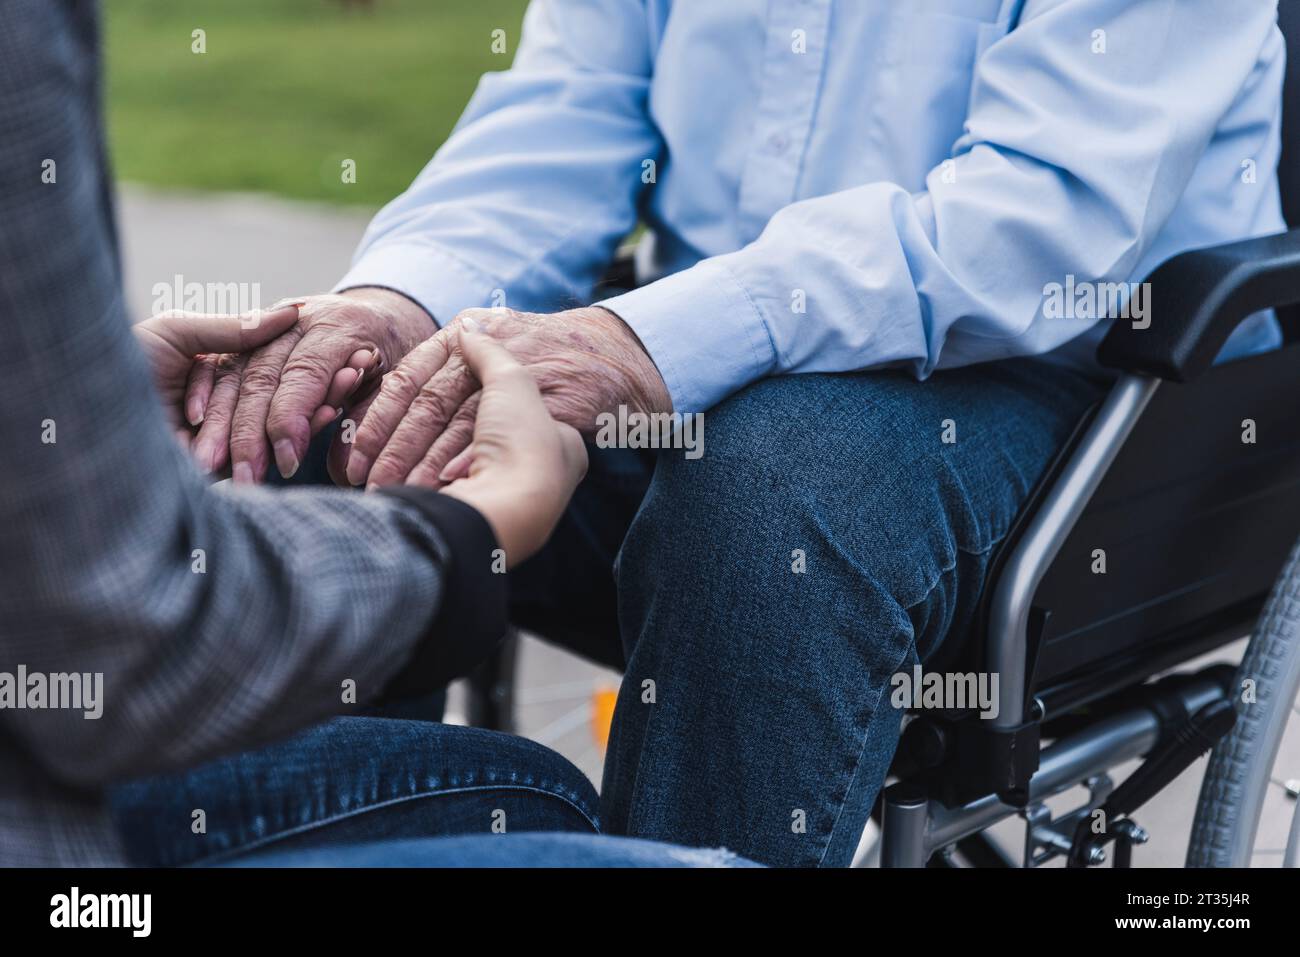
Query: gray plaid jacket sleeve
x=218, y=619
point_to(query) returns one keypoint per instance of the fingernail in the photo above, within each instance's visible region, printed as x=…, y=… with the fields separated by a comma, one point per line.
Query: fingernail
x=286, y=459
x=242, y=473
x=255, y=316
x=194, y=411
x=358, y=466
x=470, y=324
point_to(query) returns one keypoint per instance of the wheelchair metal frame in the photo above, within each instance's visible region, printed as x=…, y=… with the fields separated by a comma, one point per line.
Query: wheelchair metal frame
x=914, y=826
x=921, y=815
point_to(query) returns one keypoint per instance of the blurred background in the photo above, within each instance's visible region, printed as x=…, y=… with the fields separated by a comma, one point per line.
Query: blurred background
x=288, y=89
x=253, y=139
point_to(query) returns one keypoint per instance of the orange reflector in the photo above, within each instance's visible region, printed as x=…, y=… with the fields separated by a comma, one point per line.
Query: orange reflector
x=602, y=713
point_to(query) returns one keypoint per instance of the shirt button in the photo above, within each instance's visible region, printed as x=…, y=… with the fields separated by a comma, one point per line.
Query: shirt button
x=778, y=142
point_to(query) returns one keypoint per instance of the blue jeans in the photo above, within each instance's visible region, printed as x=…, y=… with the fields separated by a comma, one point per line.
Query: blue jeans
x=753, y=713
x=383, y=792
x=351, y=781
x=552, y=849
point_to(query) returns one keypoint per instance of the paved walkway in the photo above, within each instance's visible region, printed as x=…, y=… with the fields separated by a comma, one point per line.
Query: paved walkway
x=288, y=248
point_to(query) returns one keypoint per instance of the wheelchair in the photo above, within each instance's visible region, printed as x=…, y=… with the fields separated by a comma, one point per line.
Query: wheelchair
x=1183, y=483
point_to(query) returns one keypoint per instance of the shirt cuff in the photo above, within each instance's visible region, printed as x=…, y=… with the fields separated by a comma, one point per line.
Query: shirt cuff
x=472, y=616
x=441, y=283
x=703, y=332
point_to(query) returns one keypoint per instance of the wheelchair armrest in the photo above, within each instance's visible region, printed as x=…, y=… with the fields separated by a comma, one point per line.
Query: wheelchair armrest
x=1197, y=298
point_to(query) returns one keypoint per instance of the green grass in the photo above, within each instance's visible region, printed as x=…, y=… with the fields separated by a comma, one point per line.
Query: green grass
x=288, y=89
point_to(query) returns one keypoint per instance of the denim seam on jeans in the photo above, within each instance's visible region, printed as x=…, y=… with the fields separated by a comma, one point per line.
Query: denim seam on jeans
x=951, y=566
x=857, y=764
x=321, y=822
x=909, y=652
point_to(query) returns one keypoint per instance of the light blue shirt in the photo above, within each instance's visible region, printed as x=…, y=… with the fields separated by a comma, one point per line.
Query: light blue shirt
x=837, y=185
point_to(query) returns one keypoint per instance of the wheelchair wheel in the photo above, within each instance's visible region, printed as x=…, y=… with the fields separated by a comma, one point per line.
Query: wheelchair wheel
x=1242, y=786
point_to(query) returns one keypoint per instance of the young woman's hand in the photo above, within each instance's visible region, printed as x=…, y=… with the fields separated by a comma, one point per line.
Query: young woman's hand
x=184, y=348
x=521, y=466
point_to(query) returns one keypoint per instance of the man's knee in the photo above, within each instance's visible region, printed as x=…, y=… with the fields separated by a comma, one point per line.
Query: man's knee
x=720, y=514
x=829, y=477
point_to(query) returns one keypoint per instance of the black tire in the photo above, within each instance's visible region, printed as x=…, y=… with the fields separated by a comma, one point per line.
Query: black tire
x=1241, y=768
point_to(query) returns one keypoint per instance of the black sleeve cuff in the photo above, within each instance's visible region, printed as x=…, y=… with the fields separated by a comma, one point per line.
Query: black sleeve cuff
x=472, y=618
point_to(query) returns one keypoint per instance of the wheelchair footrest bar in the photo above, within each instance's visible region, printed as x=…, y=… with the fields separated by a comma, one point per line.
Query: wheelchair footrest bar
x=915, y=824
x=1170, y=758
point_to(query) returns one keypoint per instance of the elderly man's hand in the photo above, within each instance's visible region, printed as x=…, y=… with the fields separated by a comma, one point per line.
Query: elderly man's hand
x=269, y=403
x=171, y=341
x=585, y=361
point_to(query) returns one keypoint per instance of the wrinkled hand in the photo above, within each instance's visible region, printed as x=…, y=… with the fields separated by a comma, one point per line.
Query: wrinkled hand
x=270, y=402
x=420, y=421
x=524, y=465
x=171, y=340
